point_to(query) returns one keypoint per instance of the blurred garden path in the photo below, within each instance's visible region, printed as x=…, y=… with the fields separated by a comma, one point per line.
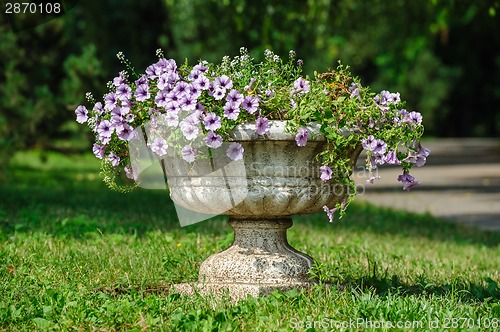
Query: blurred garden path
x=461, y=183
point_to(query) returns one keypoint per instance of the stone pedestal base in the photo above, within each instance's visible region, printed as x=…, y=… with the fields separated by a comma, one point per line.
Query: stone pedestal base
x=259, y=261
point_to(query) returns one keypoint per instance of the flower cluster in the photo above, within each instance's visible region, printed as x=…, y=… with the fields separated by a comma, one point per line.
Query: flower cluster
x=208, y=100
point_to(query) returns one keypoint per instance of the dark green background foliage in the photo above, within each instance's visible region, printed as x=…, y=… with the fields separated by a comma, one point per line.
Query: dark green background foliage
x=442, y=55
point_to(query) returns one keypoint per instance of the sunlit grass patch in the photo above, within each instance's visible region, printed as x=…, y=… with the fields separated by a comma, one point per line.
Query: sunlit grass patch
x=74, y=255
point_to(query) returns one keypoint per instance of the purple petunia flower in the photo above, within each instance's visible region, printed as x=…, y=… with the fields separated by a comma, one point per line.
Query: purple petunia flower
x=151, y=72
x=113, y=159
x=173, y=98
x=301, y=137
x=119, y=80
x=385, y=98
x=161, y=99
x=159, y=146
x=98, y=150
x=188, y=102
x=194, y=91
x=261, y=126
x=129, y=172
x=250, y=104
x=181, y=88
x=201, y=67
x=326, y=173
x=376, y=146
x=231, y=111
x=172, y=107
x=188, y=153
x=211, y=88
x=381, y=98
x=213, y=140
x=420, y=161
x=163, y=82
x=172, y=119
x=219, y=93
x=201, y=83
x=329, y=212
x=189, y=130
x=125, y=106
x=413, y=117
x=391, y=158
x=379, y=147
x=81, y=114
x=98, y=108
x=368, y=143
x=424, y=151
x=408, y=181
x=194, y=118
x=379, y=159
x=124, y=132
x=419, y=158
x=142, y=93
x=211, y=121
x=235, y=97
x=172, y=78
x=354, y=90
x=143, y=80
x=223, y=82
x=123, y=92
x=393, y=98
x=129, y=118
x=105, y=129
x=116, y=117
x=199, y=107
x=104, y=140
x=160, y=66
x=110, y=100
x=195, y=74
x=235, y=151
x=301, y=85
x=164, y=65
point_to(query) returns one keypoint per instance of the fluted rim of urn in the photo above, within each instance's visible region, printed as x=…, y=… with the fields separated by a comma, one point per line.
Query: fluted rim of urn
x=277, y=132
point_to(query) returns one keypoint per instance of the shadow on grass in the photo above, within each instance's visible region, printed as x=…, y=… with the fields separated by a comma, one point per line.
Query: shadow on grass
x=65, y=203
x=461, y=289
x=365, y=217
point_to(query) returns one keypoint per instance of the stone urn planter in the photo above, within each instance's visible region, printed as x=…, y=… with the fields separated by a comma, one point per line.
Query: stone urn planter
x=176, y=124
x=276, y=180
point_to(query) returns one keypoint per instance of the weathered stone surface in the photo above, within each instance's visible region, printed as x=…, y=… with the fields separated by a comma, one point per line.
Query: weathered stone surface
x=259, y=261
x=260, y=254
x=280, y=179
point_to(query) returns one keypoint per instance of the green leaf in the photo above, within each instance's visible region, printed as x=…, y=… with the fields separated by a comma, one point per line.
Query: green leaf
x=42, y=323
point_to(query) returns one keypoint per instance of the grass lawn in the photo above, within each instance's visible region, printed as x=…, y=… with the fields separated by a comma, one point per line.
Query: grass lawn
x=76, y=256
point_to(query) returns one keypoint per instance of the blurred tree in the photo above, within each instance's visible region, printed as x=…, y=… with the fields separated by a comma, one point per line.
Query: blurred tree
x=442, y=55
x=468, y=39
x=46, y=68
x=31, y=101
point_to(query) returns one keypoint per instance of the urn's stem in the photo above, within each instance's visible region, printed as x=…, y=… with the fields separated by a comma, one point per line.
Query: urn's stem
x=260, y=254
